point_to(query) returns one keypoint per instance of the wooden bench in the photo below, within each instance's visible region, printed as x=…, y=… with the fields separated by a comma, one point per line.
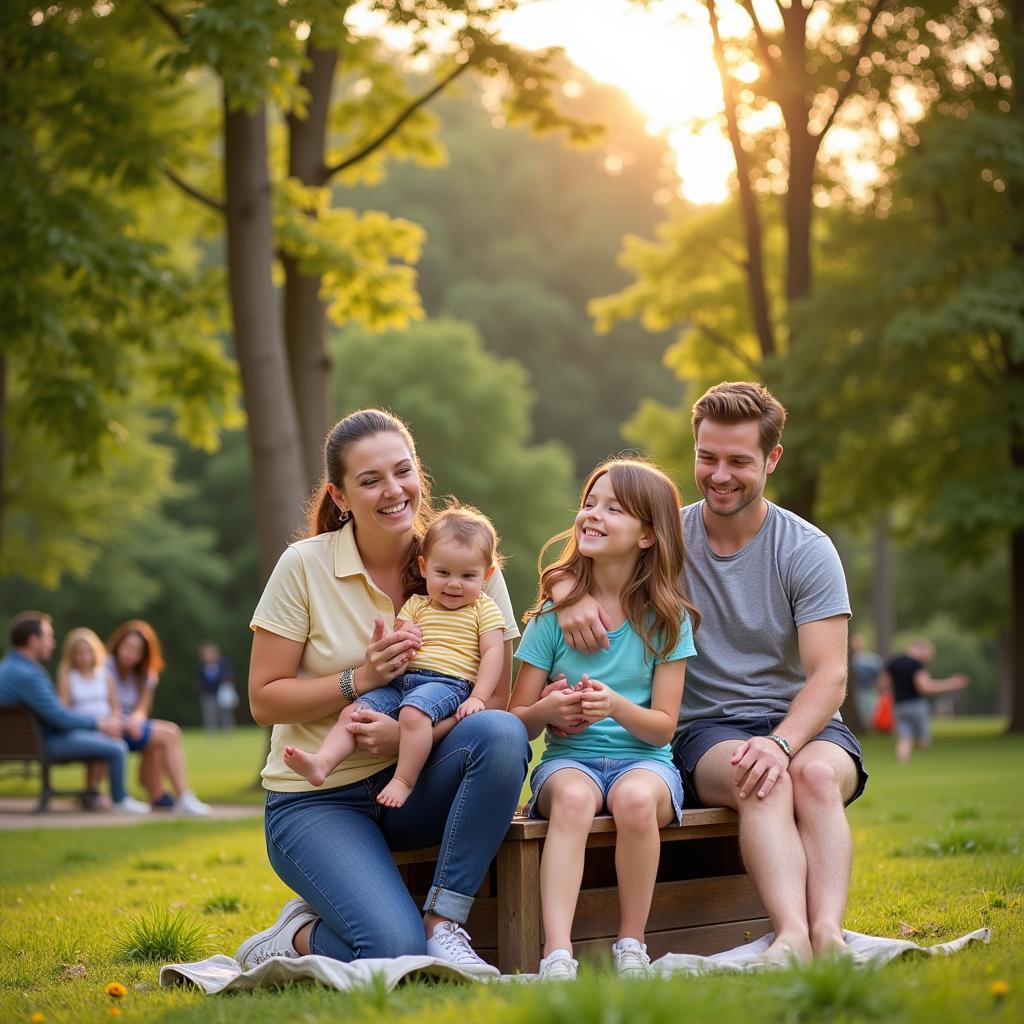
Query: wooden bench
x=21, y=739
x=704, y=901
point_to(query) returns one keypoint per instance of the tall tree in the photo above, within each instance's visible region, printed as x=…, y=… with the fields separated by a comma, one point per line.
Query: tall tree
x=270, y=55
x=790, y=76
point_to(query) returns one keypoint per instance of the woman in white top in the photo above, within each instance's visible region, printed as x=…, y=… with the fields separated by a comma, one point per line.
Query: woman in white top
x=84, y=685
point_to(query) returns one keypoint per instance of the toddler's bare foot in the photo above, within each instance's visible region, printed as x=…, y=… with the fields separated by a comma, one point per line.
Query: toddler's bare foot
x=310, y=766
x=395, y=793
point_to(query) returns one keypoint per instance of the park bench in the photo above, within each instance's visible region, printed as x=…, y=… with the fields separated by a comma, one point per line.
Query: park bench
x=704, y=901
x=21, y=740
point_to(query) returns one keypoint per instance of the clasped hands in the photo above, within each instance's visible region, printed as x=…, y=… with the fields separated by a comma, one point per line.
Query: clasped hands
x=573, y=708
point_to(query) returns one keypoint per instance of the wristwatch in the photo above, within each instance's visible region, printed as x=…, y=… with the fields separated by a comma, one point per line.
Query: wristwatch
x=783, y=744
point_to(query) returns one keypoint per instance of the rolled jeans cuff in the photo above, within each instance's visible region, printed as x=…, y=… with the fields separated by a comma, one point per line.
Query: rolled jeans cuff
x=445, y=903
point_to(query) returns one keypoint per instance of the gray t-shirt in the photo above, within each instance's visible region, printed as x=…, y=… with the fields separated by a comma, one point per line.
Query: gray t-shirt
x=751, y=602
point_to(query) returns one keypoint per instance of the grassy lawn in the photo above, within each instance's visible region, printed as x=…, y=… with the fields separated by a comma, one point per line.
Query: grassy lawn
x=937, y=854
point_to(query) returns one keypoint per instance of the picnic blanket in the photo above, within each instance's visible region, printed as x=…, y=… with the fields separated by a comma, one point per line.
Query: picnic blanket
x=223, y=974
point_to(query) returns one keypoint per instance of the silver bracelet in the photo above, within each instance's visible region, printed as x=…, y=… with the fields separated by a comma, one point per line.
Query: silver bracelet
x=783, y=744
x=347, y=686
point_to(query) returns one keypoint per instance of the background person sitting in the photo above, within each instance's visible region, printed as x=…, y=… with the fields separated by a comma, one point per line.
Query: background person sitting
x=67, y=735
x=135, y=663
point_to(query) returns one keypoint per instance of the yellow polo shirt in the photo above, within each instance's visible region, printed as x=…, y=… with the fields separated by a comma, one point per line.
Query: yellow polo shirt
x=321, y=595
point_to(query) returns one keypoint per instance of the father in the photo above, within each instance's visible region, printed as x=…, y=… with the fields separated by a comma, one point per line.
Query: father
x=759, y=728
x=68, y=736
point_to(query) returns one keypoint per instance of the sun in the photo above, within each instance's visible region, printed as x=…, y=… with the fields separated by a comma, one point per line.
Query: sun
x=661, y=60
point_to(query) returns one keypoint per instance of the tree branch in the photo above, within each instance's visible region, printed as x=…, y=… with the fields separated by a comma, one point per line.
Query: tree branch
x=194, y=193
x=167, y=18
x=379, y=140
x=748, y=201
x=727, y=345
x=763, y=43
x=846, y=88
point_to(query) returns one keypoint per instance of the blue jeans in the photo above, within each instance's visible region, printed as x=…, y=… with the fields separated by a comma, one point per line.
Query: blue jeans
x=92, y=746
x=333, y=847
x=437, y=695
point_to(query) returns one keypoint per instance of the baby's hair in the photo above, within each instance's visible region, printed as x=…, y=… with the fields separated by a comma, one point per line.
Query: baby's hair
x=466, y=526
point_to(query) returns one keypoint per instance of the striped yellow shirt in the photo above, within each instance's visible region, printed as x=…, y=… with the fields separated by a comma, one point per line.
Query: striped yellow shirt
x=451, y=638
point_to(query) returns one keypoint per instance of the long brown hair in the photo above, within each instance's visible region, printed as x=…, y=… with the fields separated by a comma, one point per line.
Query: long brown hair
x=654, y=600
x=152, y=663
x=323, y=516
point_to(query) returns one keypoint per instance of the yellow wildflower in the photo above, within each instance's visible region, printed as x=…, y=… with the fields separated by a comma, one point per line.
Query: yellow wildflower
x=37, y=1018
x=116, y=989
x=113, y=1011
x=1000, y=989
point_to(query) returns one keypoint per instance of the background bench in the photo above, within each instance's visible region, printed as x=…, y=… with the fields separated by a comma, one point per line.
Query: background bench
x=21, y=740
x=704, y=901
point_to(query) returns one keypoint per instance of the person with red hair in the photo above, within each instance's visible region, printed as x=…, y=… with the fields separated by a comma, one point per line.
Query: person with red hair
x=136, y=661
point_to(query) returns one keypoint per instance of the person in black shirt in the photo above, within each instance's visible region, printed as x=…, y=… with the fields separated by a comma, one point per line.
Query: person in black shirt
x=911, y=684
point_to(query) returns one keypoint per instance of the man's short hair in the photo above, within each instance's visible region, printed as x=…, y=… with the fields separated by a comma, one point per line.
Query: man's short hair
x=26, y=625
x=740, y=402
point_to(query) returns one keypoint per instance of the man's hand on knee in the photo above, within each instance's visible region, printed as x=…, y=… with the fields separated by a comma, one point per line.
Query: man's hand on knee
x=759, y=764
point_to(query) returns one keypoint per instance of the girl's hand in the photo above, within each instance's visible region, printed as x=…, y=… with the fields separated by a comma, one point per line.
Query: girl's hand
x=470, y=706
x=597, y=701
x=562, y=707
x=375, y=733
x=133, y=727
x=388, y=653
x=580, y=724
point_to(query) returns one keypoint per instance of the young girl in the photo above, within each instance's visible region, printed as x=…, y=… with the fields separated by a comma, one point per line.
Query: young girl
x=84, y=685
x=618, y=710
x=455, y=671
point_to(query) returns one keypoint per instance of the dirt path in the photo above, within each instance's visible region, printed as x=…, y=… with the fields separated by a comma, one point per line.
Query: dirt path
x=19, y=813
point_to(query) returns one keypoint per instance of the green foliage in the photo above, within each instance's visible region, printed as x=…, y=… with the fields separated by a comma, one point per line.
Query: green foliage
x=223, y=903
x=521, y=233
x=159, y=936
x=470, y=415
x=831, y=988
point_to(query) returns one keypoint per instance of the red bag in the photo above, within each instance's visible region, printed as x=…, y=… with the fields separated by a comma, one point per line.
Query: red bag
x=882, y=721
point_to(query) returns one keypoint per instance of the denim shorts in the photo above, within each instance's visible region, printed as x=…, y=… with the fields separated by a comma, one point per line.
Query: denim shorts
x=135, y=745
x=435, y=694
x=699, y=736
x=606, y=771
x=913, y=719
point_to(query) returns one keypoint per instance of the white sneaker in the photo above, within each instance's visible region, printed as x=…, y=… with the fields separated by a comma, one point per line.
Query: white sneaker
x=129, y=805
x=631, y=959
x=450, y=942
x=277, y=940
x=558, y=965
x=191, y=806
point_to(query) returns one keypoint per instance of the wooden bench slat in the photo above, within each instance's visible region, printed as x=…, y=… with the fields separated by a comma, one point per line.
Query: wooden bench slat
x=702, y=940
x=694, y=823
x=690, y=903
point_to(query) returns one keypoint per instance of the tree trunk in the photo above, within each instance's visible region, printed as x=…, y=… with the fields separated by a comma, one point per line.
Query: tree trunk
x=259, y=344
x=305, y=313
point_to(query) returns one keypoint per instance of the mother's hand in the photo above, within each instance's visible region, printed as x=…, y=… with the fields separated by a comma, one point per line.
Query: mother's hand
x=388, y=654
x=375, y=733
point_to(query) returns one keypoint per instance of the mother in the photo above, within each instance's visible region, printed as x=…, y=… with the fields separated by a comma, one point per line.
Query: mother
x=329, y=608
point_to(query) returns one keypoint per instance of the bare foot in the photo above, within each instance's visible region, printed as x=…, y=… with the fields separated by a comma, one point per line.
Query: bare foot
x=310, y=766
x=394, y=794
x=786, y=953
x=830, y=945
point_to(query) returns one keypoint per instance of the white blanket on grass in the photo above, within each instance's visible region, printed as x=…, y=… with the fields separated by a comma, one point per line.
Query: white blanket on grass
x=222, y=974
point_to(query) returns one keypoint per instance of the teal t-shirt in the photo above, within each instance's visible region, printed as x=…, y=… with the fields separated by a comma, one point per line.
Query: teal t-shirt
x=625, y=667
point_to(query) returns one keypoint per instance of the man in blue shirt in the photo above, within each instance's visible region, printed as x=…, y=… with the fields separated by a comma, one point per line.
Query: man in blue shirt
x=67, y=735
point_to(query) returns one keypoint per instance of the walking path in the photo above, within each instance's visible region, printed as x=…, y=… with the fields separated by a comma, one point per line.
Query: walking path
x=19, y=813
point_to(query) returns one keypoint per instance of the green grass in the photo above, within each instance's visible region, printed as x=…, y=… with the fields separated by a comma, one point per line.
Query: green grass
x=937, y=854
